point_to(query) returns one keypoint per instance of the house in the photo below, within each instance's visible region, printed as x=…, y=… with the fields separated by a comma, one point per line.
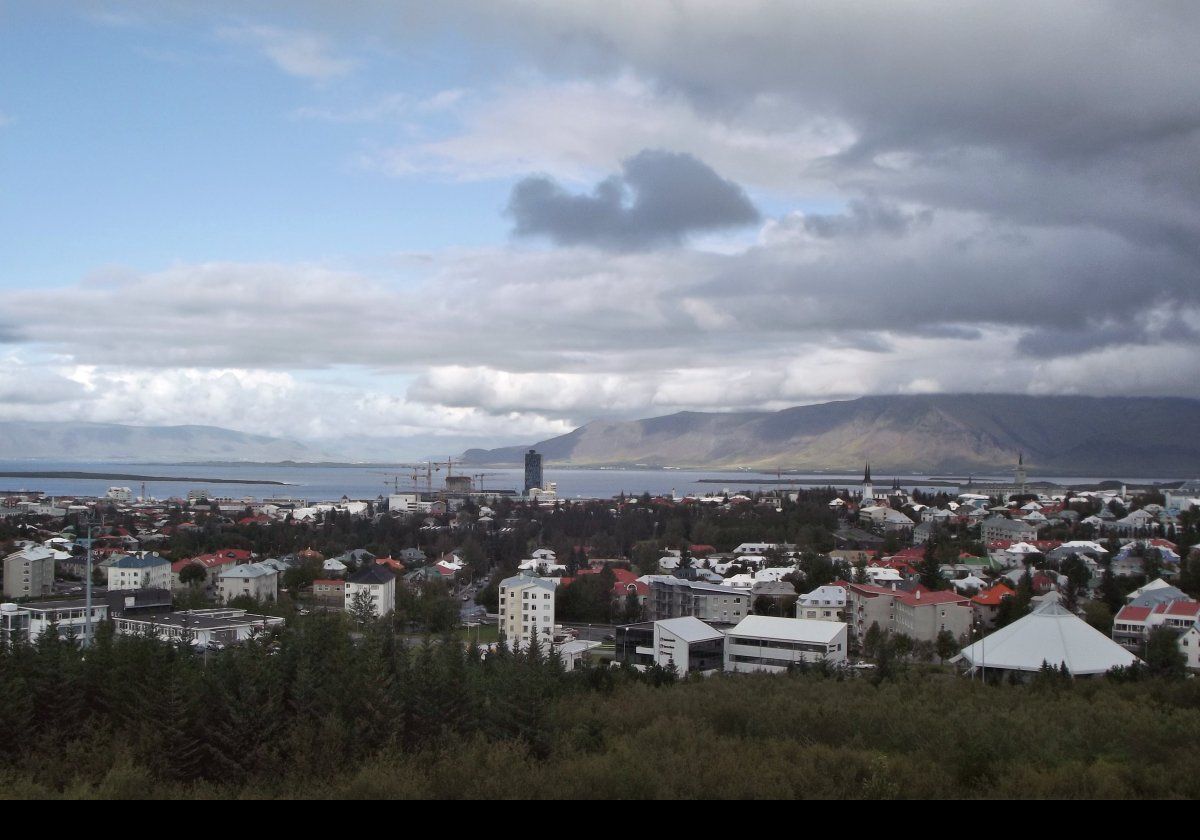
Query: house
x=212, y=564
x=688, y=644
x=986, y=605
x=29, y=573
x=374, y=583
x=527, y=609
x=147, y=571
x=825, y=603
x=1133, y=623
x=1050, y=635
x=768, y=643
x=330, y=591
x=1189, y=643
x=259, y=581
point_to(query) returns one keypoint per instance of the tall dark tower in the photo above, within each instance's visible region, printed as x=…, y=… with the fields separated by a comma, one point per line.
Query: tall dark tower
x=868, y=489
x=533, y=471
x=1019, y=473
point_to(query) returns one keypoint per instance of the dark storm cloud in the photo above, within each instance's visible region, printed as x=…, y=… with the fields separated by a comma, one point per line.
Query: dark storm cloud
x=866, y=216
x=659, y=198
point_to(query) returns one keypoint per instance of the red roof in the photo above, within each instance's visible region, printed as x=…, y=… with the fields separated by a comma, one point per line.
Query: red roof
x=992, y=597
x=212, y=561
x=1132, y=613
x=925, y=599
x=331, y=582
x=1181, y=607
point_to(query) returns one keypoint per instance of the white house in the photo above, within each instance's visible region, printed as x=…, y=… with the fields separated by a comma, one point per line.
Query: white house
x=259, y=581
x=148, y=571
x=768, y=643
x=825, y=603
x=378, y=583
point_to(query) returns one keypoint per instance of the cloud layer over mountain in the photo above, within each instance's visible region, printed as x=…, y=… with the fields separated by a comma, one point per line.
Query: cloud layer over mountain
x=700, y=206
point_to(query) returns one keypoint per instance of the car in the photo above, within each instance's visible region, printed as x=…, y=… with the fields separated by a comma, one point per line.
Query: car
x=610, y=638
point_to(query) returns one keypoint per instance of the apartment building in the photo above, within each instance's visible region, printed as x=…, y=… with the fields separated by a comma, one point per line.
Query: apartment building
x=672, y=597
x=527, y=608
x=29, y=573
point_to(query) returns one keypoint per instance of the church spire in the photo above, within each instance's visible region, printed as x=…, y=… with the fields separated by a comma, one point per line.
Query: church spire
x=867, y=474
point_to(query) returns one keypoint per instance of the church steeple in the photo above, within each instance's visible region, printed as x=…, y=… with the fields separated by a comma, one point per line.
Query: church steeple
x=868, y=489
x=1020, y=471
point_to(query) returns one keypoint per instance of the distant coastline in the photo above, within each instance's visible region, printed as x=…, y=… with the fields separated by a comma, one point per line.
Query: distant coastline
x=108, y=476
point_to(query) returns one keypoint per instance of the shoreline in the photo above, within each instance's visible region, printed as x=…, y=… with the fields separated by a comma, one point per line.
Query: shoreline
x=109, y=476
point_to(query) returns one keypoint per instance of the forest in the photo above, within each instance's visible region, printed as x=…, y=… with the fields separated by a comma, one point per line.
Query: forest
x=322, y=712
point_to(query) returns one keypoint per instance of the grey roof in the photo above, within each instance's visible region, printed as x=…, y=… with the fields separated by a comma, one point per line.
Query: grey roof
x=690, y=629
x=130, y=561
x=521, y=580
x=249, y=570
x=372, y=574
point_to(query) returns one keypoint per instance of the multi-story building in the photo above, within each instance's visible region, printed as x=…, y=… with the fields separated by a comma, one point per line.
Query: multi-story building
x=533, y=471
x=147, y=571
x=688, y=644
x=69, y=617
x=998, y=528
x=923, y=615
x=29, y=573
x=330, y=591
x=213, y=627
x=527, y=609
x=825, y=603
x=769, y=643
x=379, y=584
x=259, y=581
x=672, y=597
x=1133, y=623
x=866, y=605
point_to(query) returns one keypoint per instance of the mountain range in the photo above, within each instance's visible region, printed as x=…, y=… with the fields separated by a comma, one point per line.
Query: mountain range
x=70, y=441
x=1158, y=436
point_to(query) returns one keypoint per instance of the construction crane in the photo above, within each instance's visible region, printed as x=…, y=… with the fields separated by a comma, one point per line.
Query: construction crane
x=479, y=477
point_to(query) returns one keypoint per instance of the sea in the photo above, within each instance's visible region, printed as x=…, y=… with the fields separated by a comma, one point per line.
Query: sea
x=315, y=483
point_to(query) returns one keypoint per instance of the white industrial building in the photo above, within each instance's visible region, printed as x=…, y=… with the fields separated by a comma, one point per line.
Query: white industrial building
x=688, y=644
x=769, y=643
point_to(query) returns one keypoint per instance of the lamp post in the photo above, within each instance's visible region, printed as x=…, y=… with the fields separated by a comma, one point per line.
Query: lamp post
x=87, y=609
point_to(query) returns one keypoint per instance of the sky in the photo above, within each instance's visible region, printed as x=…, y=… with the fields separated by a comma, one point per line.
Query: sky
x=411, y=227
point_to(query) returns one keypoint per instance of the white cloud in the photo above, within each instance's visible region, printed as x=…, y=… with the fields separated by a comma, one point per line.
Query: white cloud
x=306, y=55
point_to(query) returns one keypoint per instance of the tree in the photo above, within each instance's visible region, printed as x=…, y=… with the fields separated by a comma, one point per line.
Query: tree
x=1098, y=615
x=193, y=574
x=362, y=607
x=946, y=645
x=1163, y=656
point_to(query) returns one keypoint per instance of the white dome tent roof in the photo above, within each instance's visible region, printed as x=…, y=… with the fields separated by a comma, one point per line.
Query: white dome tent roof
x=1051, y=634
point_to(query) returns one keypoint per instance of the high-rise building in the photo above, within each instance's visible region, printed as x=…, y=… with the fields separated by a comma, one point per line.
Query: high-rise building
x=533, y=471
x=527, y=608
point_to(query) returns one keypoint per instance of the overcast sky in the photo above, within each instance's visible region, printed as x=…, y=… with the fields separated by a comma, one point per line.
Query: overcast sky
x=495, y=221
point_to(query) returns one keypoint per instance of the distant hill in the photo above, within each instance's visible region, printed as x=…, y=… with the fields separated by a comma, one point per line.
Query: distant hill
x=932, y=433
x=63, y=441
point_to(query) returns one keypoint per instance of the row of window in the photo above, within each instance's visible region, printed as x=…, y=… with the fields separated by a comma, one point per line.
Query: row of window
x=807, y=647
